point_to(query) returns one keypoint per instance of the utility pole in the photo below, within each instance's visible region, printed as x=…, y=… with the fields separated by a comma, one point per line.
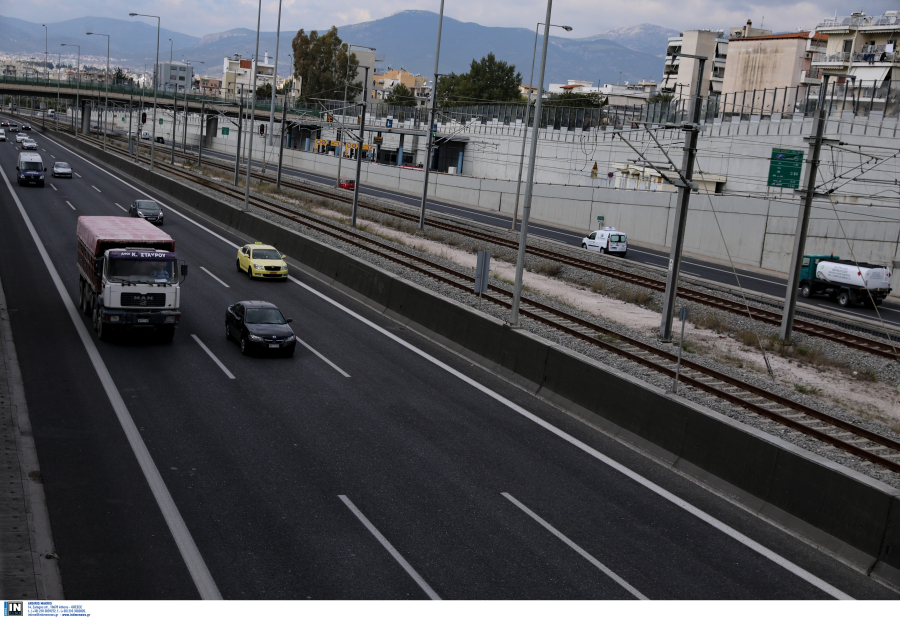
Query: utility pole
x=685, y=186
x=529, y=188
x=429, y=146
x=202, y=126
x=237, y=153
x=812, y=168
x=284, y=106
x=359, y=149
x=255, y=69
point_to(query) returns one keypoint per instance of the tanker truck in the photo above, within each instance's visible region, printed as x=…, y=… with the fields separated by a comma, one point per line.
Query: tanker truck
x=846, y=281
x=129, y=276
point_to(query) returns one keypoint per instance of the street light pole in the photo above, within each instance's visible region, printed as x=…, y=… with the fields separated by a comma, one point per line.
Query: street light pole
x=274, y=79
x=155, y=85
x=526, y=210
x=525, y=128
x=77, y=87
x=58, y=79
x=430, y=141
x=255, y=68
x=106, y=106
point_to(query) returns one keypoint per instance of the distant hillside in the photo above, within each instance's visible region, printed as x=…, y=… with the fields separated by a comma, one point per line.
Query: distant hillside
x=647, y=38
x=405, y=39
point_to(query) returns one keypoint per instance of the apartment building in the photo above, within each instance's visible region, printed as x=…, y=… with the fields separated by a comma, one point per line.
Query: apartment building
x=418, y=85
x=771, y=72
x=174, y=76
x=680, y=75
x=861, y=45
x=237, y=75
x=210, y=86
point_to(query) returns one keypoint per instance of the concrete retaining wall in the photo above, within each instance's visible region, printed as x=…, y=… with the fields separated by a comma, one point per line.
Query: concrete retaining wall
x=848, y=514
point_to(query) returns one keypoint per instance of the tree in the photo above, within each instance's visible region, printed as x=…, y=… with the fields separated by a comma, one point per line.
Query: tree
x=400, y=95
x=120, y=77
x=288, y=86
x=264, y=91
x=575, y=99
x=661, y=97
x=488, y=81
x=322, y=65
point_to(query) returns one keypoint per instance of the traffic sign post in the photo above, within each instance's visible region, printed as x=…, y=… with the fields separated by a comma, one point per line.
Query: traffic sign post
x=225, y=131
x=785, y=168
x=599, y=219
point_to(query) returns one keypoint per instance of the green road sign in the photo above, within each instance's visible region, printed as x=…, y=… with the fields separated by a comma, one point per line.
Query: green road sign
x=785, y=168
x=599, y=219
x=160, y=121
x=225, y=131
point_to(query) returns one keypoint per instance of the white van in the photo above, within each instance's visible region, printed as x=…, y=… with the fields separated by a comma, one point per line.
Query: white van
x=607, y=240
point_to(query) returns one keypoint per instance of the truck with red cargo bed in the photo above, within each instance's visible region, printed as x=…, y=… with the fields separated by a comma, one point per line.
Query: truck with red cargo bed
x=129, y=276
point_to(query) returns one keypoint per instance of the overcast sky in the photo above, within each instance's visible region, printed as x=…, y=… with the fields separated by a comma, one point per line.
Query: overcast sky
x=199, y=17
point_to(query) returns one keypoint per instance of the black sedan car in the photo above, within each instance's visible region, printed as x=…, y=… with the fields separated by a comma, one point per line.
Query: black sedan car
x=259, y=327
x=148, y=210
x=26, y=127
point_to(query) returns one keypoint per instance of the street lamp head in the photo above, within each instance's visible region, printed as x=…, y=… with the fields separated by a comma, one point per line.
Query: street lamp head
x=89, y=33
x=567, y=28
x=132, y=14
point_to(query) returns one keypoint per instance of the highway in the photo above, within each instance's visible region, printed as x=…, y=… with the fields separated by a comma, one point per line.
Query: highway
x=380, y=466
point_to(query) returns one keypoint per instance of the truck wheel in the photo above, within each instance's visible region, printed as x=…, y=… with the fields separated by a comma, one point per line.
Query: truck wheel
x=843, y=299
x=602, y=250
x=805, y=290
x=82, y=298
x=584, y=246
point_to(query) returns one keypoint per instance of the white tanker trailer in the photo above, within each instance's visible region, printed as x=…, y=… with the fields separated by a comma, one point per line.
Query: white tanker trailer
x=844, y=280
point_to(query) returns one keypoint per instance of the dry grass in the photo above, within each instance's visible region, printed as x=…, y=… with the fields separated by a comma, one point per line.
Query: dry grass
x=807, y=390
x=548, y=268
x=712, y=321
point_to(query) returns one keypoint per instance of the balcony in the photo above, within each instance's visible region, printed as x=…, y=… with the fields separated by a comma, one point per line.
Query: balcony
x=861, y=21
x=838, y=58
x=813, y=77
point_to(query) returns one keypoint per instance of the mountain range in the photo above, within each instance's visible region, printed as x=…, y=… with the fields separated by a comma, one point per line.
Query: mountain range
x=405, y=39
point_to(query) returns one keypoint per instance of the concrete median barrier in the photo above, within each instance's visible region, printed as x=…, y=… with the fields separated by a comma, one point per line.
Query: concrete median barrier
x=836, y=509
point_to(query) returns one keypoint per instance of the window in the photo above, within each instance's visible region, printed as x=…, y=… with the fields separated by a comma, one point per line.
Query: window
x=593, y=235
x=239, y=311
x=848, y=45
x=805, y=262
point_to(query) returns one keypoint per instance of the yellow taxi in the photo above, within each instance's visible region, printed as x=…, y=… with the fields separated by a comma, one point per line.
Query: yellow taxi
x=261, y=261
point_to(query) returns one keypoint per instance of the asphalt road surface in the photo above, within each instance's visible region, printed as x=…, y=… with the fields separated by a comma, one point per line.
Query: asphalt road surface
x=380, y=466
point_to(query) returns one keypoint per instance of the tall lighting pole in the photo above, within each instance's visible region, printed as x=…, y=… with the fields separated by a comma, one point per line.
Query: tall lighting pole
x=274, y=80
x=526, y=210
x=337, y=181
x=78, y=87
x=184, y=130
x=106, y=106
x=46, y=41
x=58, y=79
x=155, y=84
x=254, y=66
x=427, y=166
x=525, y=128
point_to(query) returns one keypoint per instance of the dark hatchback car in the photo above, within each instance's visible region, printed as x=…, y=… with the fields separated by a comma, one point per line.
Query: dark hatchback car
x=148, y=210
x=259, y=327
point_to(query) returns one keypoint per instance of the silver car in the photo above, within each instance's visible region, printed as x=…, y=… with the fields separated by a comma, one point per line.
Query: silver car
x=29, y=144
x=21, y=137
x=2, y=135
x=61, y=170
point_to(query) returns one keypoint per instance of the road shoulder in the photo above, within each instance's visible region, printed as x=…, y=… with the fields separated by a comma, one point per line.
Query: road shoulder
x=29, y=565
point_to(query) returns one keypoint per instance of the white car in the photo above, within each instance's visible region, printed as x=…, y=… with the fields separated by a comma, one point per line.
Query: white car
x=29, y=144
x=607, y=240
x=61, y=169
x=2, y=135
x=21, y=137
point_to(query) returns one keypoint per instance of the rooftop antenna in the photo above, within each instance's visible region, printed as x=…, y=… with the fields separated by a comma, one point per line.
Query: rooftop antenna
x=761, y=21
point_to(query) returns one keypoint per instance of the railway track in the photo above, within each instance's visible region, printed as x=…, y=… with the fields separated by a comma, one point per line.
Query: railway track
x=840, y=434
x=883, y=349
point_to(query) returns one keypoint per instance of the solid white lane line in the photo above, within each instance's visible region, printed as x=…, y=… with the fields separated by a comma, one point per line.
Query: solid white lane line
x=634, y=591
x=666, y=495
x=53, y=187
x=213, y=356
x=120, y=206
x=70, y=204
x=391, y=550
x=648, y=484
x=333, y=366
x=97, y=190
x=204, y=270
x=77, y=174
x=180, y=533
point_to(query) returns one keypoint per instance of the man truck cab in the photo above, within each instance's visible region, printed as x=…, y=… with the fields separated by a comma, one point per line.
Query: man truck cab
x=30, y=169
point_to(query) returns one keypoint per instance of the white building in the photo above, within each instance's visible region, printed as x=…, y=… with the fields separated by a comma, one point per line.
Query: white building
x=616, y=94
x=237, y=74
x=175, y=76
